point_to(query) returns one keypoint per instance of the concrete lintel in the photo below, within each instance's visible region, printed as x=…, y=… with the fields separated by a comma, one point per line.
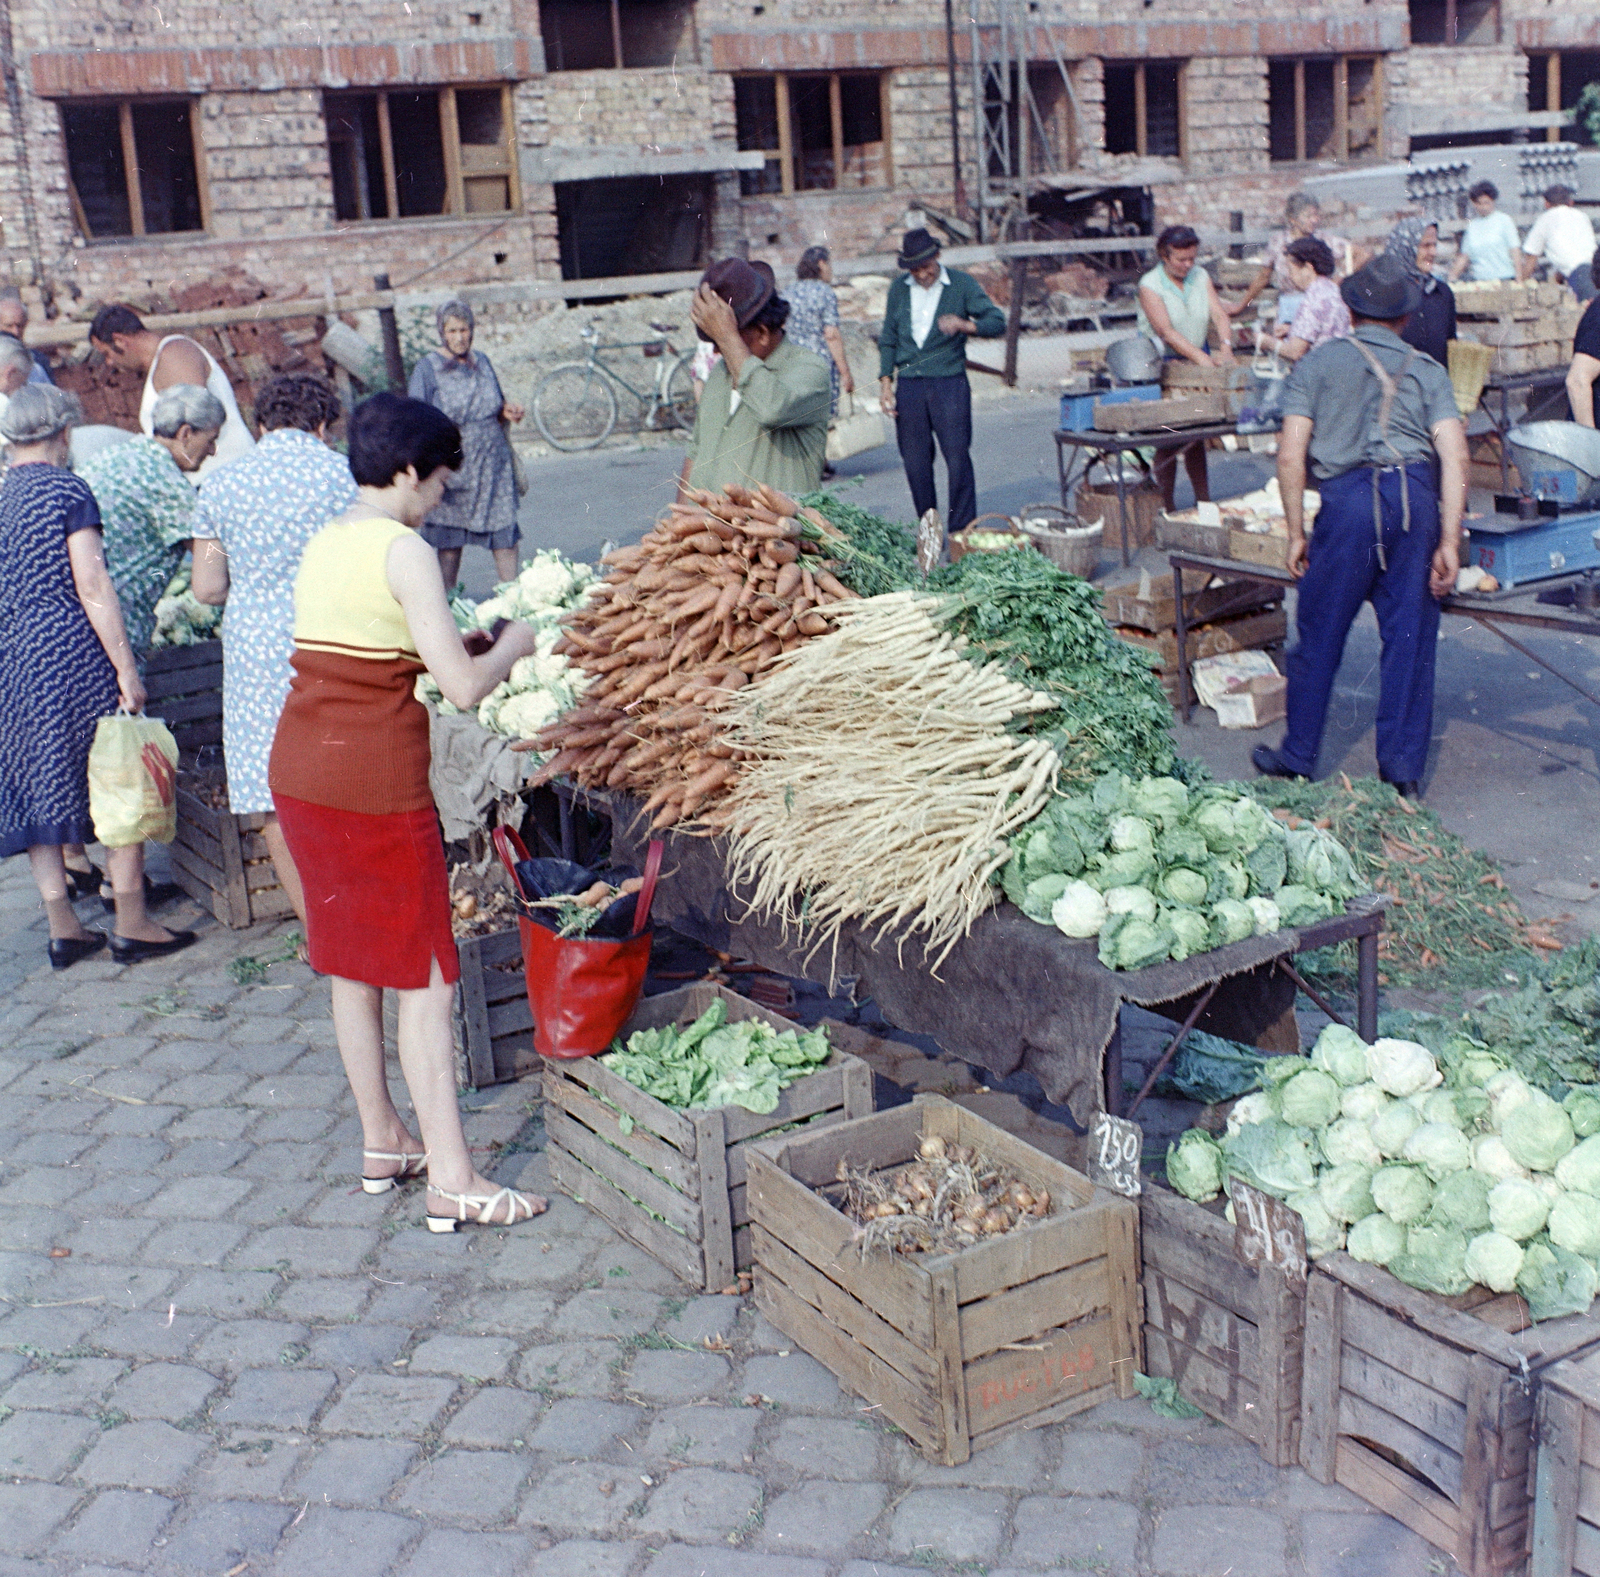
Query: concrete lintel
x=542, y=166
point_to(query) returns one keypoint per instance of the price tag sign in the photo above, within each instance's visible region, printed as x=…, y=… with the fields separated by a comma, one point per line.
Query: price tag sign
x=1268, y=1232
x=930, y=543
x=1116, y=1146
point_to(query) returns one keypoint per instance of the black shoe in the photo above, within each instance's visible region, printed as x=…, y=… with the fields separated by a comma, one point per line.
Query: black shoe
x=155, y=894
x=129, y=949
x=84, y=884
x=1410, y=789
x=66, y=951
x=1270, y=764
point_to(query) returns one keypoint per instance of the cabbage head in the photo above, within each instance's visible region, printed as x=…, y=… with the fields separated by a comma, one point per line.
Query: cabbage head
x=1180, y=885
x=1131, y=900
x=1346, y=1191
x=1266, y=914
x=1435, y=1260
x=1574, y=1224
x=1462, y=1199
x=1364, y=1101
x=1182, y=846
x=1128, y=868
x=1324, y=1235
x=1214, y=822
x=1112, y=792
x=1309, y=1100
x=1318, y=860
x=1195, y=1166
x=1161, y=799
x=1493, y=1260
x=1253, y=824
x=1131, y=942
x=1402, y=1067
x=1375, y=1239
x=1472, y=1064
x=1518, y=1209
x=1080, y=911
x=1229, y=879
x=1438, y=1149
x=1341, y=1052
x=1490, y=1156
x=1191, y=929
x=1231, y=921
x=1506, y=1091
x=1547, y=1185
x=1041, y=894
x=1578, y=1170
x=1537, y=1133
x=1393, y=1126
x=1403, y=1193
x=1443, y=1106
x=1014, y=876
x=1555, y=1281
x=1349, y=1140
x=1301, y=906
x=1130, y=832
x=1039, y=852
x=1583, y=1107
x=1265, y=865
x=1272, y=1156
x=1256, y=1107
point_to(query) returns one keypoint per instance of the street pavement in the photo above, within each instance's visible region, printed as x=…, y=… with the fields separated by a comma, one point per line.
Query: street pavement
x=218, y=1356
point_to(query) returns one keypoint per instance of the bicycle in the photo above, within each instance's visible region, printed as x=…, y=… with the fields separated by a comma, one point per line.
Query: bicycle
x=575, y=404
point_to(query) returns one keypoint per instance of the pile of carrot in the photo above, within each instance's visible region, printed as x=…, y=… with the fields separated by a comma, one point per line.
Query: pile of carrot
x=707, y=601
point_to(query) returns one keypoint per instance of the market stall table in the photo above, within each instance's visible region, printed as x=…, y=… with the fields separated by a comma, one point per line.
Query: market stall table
x=1544, y=387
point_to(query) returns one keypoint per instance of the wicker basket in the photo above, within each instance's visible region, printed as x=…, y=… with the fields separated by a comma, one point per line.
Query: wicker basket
x=1068, y=545
x=992, y=522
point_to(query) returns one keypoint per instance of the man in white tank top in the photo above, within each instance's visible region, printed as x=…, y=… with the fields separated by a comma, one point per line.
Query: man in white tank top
x=119, y=334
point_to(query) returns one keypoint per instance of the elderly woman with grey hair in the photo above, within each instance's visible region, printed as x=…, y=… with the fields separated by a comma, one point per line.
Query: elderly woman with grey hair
x=65, y=660
x=479, y=507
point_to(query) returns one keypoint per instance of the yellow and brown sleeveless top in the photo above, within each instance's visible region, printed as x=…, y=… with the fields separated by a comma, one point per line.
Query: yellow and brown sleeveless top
x=352, y=735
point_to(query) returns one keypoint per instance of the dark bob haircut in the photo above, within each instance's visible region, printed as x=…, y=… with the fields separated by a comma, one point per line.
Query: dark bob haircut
x=116, y=319
x=1484, y=189
x=389, y=433
x=1175, y=238
x=1308, y=249
x=772, y=316
x=811, y=261
x=296, y=399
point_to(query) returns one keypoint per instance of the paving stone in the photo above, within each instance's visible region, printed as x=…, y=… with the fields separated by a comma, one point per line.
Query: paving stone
x=227, y=1293
x=1136, y=1413
x=1097, y=1462
x=65, y=1383
x=822, y=1516
x=355, y=1472
x=43, y=1185
x=447, y=1552
x=574, y=1427
x=11, y=1365
x=249, y=1465
x=128, y=1153
x=293, y=1127
x=351, y=1543
x=43, y=1445
x=307, y=1251
x=546, y=1258
x=620, y=1262
x=273, y=1202
x=109, y=1239
x=121, y=1286
x=147, y=1455
x=479, y=1358
x=199, y=1199
x=412, y=1304
x=193, y=1243
x=137, y=1119
x=248, y=1344
x=182, y=1056
x=1298, y=1491
x=702, y=1317
x=824, y=1447
x=1221, y=1469
x=207, y=1157
x=670, y=1376
x=696, y=1501
x=511, y=1313
x=274, y=1398
x=475, y=1487
x=581, y=1497
x=948, y=1524
x=113, y=1195
x=1014, y=1462
x=218, y=1536
x=29, y=1512
x=1198, y=1541
x=324, y=1297
x=607, y=1311
x=214, y=1122
x=34, y=1231
x=498, y=1415
x=117, y=1525
x=162, y=1390
x=705, y=1436
x=683, y=1560
x=49, y=1149
x=796, y=1381
x=204, y=1089
x=1074, y=1530
x=360, y=1346
x=1362, y=1544
x=584, y=1558
x=149, y=1333
x=389, y=1404
x=47, y=1330
x=883, y=1569
x=320, y=1091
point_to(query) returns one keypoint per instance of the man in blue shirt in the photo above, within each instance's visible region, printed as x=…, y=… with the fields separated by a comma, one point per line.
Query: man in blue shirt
x=13, y=322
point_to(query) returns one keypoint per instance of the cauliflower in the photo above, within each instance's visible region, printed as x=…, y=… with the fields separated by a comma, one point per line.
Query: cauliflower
x=522, y=716
x=181, y=619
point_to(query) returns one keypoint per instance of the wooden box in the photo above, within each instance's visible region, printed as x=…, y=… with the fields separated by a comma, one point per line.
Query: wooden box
x=183, y=686
x=1566, y=1485
x=1266, y=548
x=1176, y=531
x=1097, y=502
x=492, y=1006
x=1423, y=1406
x=1249, y=632
x=221, y=861
x=958, y=1349
x=676, y=1184
x=1191, y=408
x=1147, y=604
x=1231, y=1337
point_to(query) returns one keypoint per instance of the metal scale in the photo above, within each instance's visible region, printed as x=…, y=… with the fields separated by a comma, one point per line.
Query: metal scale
x=1553, y=527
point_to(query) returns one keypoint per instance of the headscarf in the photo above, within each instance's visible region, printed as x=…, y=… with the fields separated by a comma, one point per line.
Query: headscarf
x=1402, y=245
x=457, y=310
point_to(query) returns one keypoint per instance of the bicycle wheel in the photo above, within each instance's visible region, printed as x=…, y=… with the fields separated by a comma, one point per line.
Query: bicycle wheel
x=574, y=406
x=679, y=402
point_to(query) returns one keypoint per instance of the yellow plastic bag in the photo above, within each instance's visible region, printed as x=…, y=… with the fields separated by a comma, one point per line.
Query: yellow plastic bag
x=133, y=781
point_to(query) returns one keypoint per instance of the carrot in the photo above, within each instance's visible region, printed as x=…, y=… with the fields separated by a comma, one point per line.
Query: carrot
x=623, y=558
x=747, y=595
x=812, y=624
x=779, y=503
x=808, y=585
x=662, y=646
x=788, y=582
x=729, y=600
x=779, y=552
x=564, y=762
x=704, y=542
x=774, y=621
x=802, y=605
x=834, y=587
x=702, y=601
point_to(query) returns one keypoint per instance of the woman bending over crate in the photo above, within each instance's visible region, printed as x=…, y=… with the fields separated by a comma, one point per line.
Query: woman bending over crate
x=349, y=776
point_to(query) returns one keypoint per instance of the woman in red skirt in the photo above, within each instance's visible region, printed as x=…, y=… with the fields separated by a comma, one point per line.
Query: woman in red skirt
x=349, y=776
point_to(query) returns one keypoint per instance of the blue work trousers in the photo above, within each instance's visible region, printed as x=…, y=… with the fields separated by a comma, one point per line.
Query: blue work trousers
x=1342, y=574
x=926, y=408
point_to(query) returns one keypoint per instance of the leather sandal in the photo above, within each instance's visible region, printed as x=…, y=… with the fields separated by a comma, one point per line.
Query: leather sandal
x=484, y=1207
x=412, y=1165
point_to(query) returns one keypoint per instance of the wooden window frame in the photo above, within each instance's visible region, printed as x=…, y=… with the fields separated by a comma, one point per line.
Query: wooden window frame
x=784, y=153
x=1141, y=121
x=1452, y=29
x=1341, y=103
x=130, y=169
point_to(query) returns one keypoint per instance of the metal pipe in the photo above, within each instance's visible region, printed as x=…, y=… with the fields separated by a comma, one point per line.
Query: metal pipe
x=958, y=186
x=1177, y=1040
x=393, y=361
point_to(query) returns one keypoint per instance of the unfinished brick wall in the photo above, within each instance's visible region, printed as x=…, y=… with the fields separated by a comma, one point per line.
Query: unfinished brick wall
x=1227, y=116
x=1465, y=80
x=267, y=163
x=653, y=111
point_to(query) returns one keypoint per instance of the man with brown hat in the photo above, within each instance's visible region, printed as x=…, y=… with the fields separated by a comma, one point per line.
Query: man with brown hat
x=922, y=366
x=763, y=414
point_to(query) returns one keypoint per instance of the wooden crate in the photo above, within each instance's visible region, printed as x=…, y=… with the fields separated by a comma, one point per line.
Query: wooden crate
x=492, y=1009
x=1249, y=632
x=1192, y=408
x=1147, y=604
x=1231, y=1337
x=960, y=1349
x=1259, y=547
x=1566, y=1488
x=676, y=1185
x=1178, y=531
x=1424, y=1406
x=183, y=685
x=221, y=861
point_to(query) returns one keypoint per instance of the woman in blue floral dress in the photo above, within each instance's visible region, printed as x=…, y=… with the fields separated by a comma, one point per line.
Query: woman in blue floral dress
x=814, y=317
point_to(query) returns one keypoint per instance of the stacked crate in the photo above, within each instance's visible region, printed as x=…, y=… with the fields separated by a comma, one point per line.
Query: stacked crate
x=1529, y=324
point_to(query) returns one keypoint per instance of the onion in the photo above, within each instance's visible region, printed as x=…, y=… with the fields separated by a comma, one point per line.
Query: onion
x=932, y=1148
x=466, y=906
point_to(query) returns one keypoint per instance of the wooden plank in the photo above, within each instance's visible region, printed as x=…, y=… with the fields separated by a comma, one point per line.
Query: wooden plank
x=661, y=1120
x=192, y=836
x=1024, y=1311
x=641, y=1145
x=1435, y=1364
x=238, y=895
x=197, y=679
x=1586, y=1551
x=511, y=1015
x=1199, y=1323
x=858, y=1096
x=1557, y=1485
x=1057, y=1242
x=1065, y=1362
x=1046, y=1415
x=1281, y=1337
x=1196, y=1248
x=197, y=888
x=950, y=1381
x=173, y=659
x=1392, y=1489
x=711, y=1159
x=678, y=1254
x=260, y=879
x=1436, y=1414
x=739, y=1204
x=884, y=1139
x=743, y=1250
x=623, y=1173
x=475, y=1013
x=1479, y=1450
x=816, y=1092
x=270, y=904
x=1223, y=1390
x=1121, y=1224
x=1426, y=1312
x=1319, y=1388
x=1588, y=1478
x=1427, y=1457
x=195, y=811
x=1068, y=1188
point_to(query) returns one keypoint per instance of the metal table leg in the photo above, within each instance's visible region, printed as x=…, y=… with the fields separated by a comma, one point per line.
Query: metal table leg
x=1182, y=622
x=1113, y=1068
x=1122, y=510
x=1367, y=984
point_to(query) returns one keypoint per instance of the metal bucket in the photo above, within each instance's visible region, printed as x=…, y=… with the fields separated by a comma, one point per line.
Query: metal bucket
x=1558, y=460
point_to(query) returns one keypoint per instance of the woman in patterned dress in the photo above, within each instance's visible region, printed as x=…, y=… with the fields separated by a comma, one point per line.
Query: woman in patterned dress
x=252, y=522
x=479, y=507
x=814, y=317
x=65, y=661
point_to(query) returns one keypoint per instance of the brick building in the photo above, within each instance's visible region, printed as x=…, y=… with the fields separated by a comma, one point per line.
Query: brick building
x=145, y=147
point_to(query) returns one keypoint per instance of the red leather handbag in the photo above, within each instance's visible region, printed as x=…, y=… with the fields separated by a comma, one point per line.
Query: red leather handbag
x=582, y=990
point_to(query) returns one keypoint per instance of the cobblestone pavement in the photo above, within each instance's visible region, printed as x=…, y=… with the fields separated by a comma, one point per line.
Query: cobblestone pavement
x=217, y=1355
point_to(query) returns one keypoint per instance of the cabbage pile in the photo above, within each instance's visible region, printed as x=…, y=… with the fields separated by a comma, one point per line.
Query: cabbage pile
x=1447, y=1182
x=181, y=618
x=541, y=687
x=1156, y=870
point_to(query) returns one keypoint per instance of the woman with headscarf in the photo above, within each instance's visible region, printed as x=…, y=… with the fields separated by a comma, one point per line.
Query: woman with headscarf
x=479, y=508
x=1414, y=244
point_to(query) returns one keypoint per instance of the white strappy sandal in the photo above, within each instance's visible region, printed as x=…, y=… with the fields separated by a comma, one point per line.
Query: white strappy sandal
x=411, y=1166
x=518, y=1207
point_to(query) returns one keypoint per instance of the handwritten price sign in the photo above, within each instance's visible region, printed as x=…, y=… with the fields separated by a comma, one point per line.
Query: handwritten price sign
x=1267, y=1232
x=1116, y=1146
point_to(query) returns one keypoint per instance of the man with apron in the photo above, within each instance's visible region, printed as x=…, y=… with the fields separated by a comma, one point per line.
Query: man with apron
x=1388, y=450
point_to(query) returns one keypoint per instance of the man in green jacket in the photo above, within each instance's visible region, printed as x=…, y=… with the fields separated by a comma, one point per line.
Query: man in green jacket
x=763, y=413
x=922, y=367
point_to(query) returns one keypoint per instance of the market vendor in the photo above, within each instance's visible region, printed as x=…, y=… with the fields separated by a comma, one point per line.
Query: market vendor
x=763, y=416
x=1374, y=416
x=1585, y=366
